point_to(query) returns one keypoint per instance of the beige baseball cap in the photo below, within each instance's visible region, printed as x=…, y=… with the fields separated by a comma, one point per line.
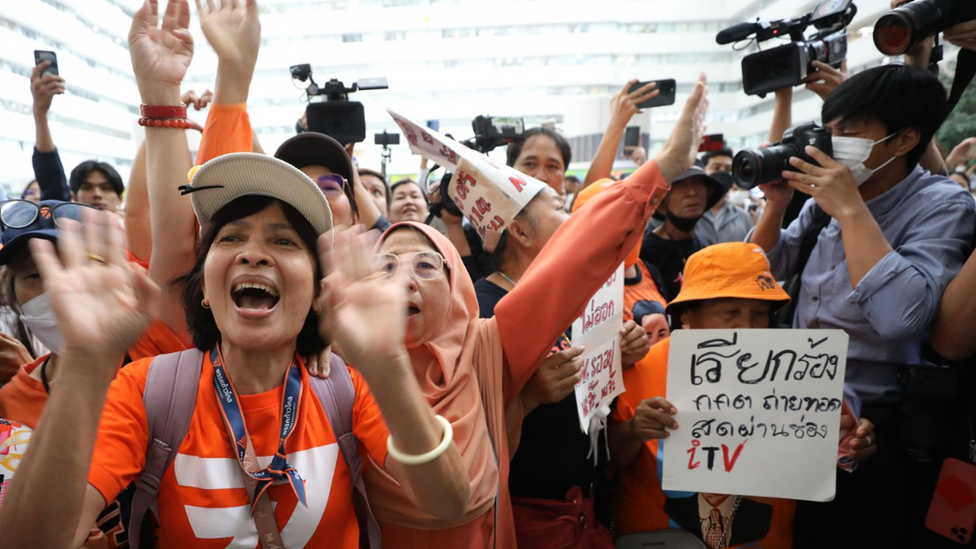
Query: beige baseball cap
x=231, y=176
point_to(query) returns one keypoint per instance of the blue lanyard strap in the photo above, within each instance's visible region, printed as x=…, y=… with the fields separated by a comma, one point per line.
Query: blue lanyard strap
x=237, y=428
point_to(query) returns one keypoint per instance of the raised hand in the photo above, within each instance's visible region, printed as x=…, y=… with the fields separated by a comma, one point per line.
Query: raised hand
x=623, y=106
x=681, y=148
x=961, y=153
x=364, y=315
x=233, y=30
x=160, y=54
x=198, y=102
x=825, y=78
x=44, y=88
x=102, y=305
x=13, y=355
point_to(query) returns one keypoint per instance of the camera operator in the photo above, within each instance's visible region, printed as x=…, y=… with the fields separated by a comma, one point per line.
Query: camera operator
x=723, y=222
x=892, y=238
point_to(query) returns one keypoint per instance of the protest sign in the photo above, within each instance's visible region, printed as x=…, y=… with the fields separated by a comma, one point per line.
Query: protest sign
x=598, y=330
x=758, y=412
x=489, y=194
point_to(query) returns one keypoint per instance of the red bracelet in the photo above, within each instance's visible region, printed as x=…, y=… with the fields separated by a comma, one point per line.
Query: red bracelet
x=178, y=123
x=157, y=111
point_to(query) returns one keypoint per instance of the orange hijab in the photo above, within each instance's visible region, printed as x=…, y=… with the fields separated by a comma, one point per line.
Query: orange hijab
x=443, y=362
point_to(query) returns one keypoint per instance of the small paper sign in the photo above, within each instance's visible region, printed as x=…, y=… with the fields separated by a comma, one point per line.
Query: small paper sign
x=598, y=330
x=758, y=412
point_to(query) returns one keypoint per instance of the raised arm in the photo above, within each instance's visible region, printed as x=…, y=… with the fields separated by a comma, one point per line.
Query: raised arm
x=623, y=107
x=367, y=318
x=951, y=333
x=591, y=244
x=138, y=227
x=101, y=308
x=160, y=57
x=48, y=170
x=234, y=31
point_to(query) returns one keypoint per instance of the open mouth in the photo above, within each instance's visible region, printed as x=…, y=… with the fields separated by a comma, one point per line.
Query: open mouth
x=255, y=296
x=412, y=311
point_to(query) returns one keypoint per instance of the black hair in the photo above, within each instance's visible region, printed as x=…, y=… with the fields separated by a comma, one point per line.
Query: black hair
x=515, y=147
x=408, y=181
x=899, y=97
x=712, y=154
x=572, y=179
x=83, y=170
x=200, y=320
x=386, y=185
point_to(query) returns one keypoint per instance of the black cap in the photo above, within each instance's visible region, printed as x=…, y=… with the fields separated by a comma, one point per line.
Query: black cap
x=316, y=149
x=716, y=188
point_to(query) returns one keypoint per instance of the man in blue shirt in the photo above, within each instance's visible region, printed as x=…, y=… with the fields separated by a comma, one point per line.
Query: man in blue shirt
x=894, y=239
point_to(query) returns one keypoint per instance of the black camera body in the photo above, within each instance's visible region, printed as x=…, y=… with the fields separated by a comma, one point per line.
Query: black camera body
x=493, y=131
x=788, y=65
x=901, y=28
x=336, y=116
x=753, y=167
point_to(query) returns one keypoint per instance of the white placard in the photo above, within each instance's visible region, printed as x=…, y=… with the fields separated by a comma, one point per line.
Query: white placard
x=598, y=330
x=758, y=412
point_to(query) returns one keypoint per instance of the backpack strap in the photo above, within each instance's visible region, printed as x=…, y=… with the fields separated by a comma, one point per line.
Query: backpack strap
x=170, y=396
x=337, y=396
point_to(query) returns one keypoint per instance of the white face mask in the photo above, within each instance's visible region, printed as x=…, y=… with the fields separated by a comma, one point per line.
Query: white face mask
x=853, y=151
x=39, y=318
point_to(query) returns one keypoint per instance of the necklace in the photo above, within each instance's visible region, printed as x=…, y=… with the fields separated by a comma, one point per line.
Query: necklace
x=506, y=277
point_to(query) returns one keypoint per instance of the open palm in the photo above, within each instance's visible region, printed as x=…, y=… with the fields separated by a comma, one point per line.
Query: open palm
x=365, y=316
x=232, y=29
x=161, y=54
x=102, y=305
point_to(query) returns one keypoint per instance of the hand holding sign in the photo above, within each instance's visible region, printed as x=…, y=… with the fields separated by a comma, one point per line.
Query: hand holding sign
x=652, y=417
x=555, y=379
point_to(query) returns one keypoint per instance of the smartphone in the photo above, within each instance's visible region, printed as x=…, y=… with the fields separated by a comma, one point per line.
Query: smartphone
x=41, y=56
x=631, y=138
x=663, y=99
x=713, y=142
x=952, y=512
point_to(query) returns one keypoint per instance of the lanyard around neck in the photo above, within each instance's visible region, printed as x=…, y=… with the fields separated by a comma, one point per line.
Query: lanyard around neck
x=237, y=428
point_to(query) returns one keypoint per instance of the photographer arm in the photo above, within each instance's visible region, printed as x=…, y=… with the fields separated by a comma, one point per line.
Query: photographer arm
x=48, y=170
x=952, y=334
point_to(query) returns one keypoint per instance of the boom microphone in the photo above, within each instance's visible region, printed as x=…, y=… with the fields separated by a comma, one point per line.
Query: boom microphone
x=736, y=33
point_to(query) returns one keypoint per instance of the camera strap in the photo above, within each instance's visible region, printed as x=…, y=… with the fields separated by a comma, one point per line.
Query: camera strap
x=965, y=71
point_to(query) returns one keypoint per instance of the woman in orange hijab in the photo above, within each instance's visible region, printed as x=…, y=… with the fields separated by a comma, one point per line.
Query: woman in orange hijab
x=472, y=370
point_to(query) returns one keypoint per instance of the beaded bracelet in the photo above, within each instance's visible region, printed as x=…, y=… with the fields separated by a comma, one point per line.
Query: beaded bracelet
x=420, y=459
x=178, y=123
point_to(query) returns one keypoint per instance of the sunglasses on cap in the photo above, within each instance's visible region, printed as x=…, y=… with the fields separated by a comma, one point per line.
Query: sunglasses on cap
x=423, y=265
x=20, y=214
x=332, y=184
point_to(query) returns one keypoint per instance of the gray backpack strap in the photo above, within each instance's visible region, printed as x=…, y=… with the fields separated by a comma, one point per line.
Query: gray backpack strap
x=337, y=396
x=170, y=397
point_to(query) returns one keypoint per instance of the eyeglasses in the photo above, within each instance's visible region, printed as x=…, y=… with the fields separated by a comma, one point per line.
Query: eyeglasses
x=332, y=184
x=423, y=265
x=20, y=214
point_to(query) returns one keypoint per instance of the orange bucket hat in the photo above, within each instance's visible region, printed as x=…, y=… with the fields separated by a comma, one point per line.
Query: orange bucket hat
x=591, y=191
x=730, y=270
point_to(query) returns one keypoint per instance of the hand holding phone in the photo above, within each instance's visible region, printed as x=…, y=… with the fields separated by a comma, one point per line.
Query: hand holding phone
x=41, y=56
x=45, y=82
x=665, y=97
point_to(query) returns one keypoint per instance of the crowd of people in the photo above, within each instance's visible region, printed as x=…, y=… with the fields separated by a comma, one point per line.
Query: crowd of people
x=289, y=350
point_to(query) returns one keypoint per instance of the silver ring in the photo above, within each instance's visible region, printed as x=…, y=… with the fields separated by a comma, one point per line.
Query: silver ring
x=870, y=441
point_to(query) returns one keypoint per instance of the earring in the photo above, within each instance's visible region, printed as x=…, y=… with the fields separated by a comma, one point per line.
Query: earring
x=316, y=308
x=204, y=303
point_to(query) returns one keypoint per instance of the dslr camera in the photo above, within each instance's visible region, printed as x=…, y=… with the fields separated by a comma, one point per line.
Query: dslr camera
x=336, y=116
x=491, y=132
x=788, y=65
x=901, y=28
x=752, y=167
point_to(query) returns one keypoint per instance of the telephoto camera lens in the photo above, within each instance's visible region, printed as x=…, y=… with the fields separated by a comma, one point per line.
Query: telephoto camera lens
x=901, y=28
x=754, y=167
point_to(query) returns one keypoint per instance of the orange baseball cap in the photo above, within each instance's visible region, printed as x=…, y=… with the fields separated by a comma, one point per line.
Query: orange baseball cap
x=591, y=191
x=734, y=269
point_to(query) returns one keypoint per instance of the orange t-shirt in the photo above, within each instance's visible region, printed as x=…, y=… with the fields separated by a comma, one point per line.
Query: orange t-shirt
x=202, y=500
x=639, y=503
x=23, y=398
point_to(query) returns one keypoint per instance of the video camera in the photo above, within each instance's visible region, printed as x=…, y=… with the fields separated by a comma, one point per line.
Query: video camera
x=336, y=116
x=491, y=132
x=753, y=167
x=901, y=28
x=789, y=64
